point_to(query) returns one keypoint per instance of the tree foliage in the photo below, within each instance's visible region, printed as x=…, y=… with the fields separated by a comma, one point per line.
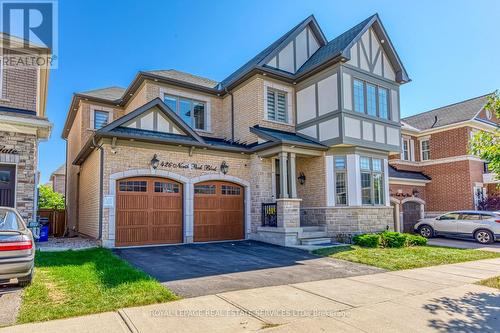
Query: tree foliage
x=48, y=199
x=486, y=145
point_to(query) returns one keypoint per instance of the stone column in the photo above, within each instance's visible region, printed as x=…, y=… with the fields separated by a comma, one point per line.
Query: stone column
x=288, y=211
x=283, y=174
x=293, y=176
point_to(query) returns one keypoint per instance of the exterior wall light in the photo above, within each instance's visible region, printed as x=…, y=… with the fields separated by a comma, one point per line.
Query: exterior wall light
x=224, y=168
x=302, y=178
x=155, y=162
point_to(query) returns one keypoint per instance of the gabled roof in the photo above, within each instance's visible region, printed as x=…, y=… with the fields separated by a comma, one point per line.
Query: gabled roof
x=59, y=171
x=447, y=115
x=404, y=174
x=111, y=94
x=283, y=137
x=157, y=102
x=340, y=47
x=185, y=77
x=261, y=59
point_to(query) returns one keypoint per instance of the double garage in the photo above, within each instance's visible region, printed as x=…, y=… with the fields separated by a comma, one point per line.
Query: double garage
x=150, y=211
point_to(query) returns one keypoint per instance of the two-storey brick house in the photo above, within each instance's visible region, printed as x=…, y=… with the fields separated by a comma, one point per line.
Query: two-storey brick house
x=296, y=140
x=23, y=123
x=435, y=147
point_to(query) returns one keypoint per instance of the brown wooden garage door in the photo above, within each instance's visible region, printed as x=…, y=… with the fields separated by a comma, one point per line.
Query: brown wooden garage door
x=148, y=211
x=218, y=211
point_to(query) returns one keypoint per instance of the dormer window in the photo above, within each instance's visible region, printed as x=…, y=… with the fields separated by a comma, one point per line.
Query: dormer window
x=276, y=105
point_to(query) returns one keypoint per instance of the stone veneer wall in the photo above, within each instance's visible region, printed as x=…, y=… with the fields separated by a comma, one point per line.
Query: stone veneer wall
x=26, y=145
x=261, y=187
x=348, y=220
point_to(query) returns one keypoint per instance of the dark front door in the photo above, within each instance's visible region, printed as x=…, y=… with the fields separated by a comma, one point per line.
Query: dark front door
x=411, y=214
x=7, y=185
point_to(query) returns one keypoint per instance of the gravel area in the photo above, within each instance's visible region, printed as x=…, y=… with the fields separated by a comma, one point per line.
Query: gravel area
x=64, y=244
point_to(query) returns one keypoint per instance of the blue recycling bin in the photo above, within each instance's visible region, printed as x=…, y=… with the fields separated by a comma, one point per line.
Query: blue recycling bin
x=44, y=233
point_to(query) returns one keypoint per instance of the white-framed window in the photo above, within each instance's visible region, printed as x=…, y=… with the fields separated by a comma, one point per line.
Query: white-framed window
x=340, y=177
x=277, y=105
x=100, y=116
x=405, y=155
x=425, y=150
x=370, y=99
x=1, y=77
x=372, y=181
x=192, y=111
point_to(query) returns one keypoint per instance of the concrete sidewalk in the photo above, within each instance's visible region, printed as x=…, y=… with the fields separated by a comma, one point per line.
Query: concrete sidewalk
x=434, y=299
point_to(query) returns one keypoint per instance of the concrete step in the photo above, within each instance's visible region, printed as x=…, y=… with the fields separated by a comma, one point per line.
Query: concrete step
x=314, y=228
x=315, y=241
x=313, y=234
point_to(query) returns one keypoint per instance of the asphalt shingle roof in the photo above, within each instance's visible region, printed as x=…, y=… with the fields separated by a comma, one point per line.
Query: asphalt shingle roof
x=185, y=77
x=334, y=47
x=447, y=115
x=289, y=137
x=109, y=93
x=415, y=175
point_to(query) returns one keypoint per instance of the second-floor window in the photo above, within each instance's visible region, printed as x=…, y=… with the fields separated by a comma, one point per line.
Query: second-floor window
x=370, y=99
x=276, y=105
x=425, y=148
x=191, y=111
x=406, y=150
x=101, y=119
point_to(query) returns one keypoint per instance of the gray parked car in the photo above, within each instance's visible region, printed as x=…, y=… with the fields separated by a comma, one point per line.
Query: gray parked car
x=17, y=248
x=483, y=226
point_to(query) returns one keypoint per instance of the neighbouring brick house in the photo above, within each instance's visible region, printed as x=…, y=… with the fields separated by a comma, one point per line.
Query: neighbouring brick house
x=57, y=180
x=23, y=93
x=291, y=148
x=435, y=152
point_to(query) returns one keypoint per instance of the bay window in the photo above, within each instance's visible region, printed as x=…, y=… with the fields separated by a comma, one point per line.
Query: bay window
x=370, y=99
x=340, y=170
x=372, y=181
x=191, y=111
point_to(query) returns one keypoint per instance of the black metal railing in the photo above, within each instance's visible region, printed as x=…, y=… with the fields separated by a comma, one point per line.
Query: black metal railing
x=269, y=215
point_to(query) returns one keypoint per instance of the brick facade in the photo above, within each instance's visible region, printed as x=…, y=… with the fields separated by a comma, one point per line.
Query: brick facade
x=26, y=161
x=19, y=88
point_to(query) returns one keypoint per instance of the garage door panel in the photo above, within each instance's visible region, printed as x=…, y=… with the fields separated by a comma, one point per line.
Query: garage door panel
x=167, y=202
x=218, y=212
x=149, y=211
x=128, y=201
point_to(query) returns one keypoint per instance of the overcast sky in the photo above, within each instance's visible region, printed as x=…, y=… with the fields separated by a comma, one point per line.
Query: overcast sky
x=449, y=48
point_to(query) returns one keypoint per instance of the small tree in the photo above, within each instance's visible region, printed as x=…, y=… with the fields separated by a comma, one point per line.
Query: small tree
x=48, y=199
x=486, y=145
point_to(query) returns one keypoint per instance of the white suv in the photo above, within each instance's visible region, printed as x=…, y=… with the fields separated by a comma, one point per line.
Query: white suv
x=483, y=226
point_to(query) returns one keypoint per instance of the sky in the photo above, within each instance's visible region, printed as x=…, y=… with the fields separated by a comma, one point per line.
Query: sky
x=449, y=48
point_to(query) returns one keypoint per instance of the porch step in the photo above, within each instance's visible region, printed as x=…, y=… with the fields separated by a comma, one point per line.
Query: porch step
x=313, y=234
x=314, y=228
x=315, y=241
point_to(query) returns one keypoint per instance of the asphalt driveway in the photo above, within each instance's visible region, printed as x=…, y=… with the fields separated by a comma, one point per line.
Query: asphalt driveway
x=204, y=269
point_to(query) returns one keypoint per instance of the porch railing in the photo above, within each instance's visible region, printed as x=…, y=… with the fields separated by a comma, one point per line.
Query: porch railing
x=269, y=215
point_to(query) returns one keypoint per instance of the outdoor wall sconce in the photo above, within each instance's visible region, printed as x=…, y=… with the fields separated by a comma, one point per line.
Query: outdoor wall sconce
x=415, y=192
x=302, y=178
x=155, y=162
x=224, y=168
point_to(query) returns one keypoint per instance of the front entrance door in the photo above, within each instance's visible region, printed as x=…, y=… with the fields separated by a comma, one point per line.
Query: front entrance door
x=7, y=185
x=411, y=214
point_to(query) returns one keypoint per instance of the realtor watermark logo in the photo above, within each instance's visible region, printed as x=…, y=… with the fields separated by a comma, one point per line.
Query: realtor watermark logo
x=29, y=33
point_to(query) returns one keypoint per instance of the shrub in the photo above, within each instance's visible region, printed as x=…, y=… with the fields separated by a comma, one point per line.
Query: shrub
x=392, y=239
x=367, y=240
x=415, y=240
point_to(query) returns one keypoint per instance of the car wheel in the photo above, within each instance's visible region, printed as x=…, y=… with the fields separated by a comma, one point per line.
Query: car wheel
x=426, y=231
x=484, y=236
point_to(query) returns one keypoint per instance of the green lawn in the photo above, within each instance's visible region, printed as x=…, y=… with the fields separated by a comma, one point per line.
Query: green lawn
x=75, y=283
x=395, y=259
x=493, y=282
